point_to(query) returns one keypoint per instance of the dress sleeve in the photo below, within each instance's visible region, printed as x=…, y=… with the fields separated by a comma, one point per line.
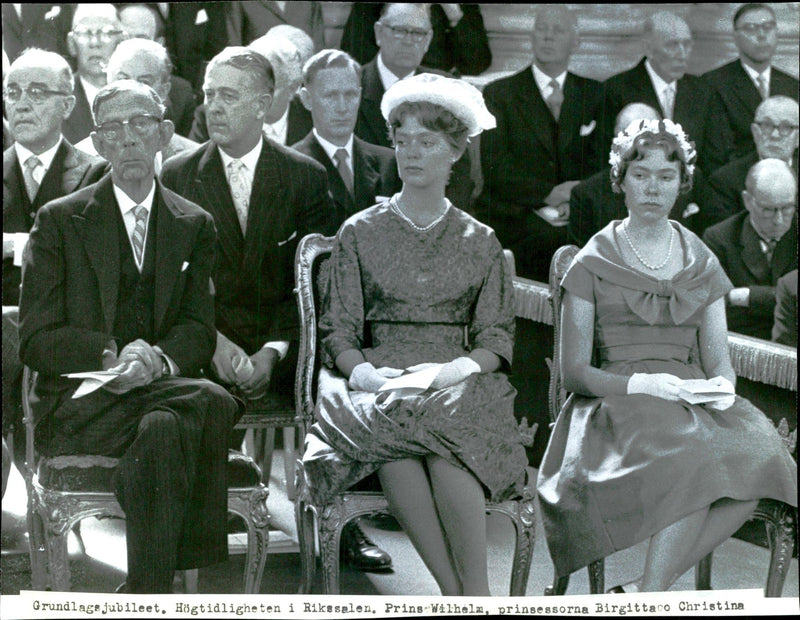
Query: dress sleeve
x=341, y=325
x=579, y=281
x=492, y=324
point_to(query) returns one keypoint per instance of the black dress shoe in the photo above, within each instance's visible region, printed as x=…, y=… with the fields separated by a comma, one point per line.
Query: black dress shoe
x=360, y=552
x=616, y=590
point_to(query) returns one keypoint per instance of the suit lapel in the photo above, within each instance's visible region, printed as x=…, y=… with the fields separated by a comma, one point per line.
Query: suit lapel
x=266, y=199
x=752, y=256
x=530, y=99
x=571, y=116
x=214, y=183
x=16, y=204
x=344, y=202
x=365, y=176
x=784, y=258
x=645, y=91
x=97, y=226
x=742, y=88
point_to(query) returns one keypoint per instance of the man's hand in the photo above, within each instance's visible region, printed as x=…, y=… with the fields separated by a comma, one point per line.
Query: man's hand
x=8, y=245
x=224, y=355
x=133, y=374
x=144, y=353
x=263, y=363
x=560, y=193
x=739, y=297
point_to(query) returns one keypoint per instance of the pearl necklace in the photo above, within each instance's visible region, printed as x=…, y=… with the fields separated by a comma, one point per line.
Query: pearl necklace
x=395, y=204
x=639, y=256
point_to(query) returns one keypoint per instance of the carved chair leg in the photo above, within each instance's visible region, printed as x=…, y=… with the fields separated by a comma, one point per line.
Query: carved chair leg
x=37, y=545
x=702, y=573
x=330, y=534
x=257, y=540
x=523, y=552
x=267, y=447
x=597, y=577
x=306, y=538
x=559, y=586
x=58, y=560
x=289, y=457
x=781, y=541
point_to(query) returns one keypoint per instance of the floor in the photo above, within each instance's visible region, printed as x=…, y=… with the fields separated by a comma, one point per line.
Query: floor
x=737, y=564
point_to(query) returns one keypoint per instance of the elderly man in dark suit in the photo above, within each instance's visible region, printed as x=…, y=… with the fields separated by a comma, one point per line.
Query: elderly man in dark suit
x=660, y=80
x=358, y=172
x=541, y=148
x=31, y=24
x=39, y=167
x=117, y=277
x=739, y=86
x=758, y=246
x=775, y=133
x=264, y=198
x=249, y=20
x=96, y=31
x=403, y=34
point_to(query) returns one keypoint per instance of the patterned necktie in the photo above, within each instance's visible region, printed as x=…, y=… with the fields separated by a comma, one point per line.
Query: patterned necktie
x=555, y=99
x=669, y=101
x=139, y=232
x=33, y=171
x=763, y=89
x=240, y=191
x=344, y=171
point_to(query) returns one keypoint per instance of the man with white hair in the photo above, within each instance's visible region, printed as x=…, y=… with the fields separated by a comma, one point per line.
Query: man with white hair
x=286, y=121
x=96, y=31
x=660, y=80
x=146, y=62
x=776, y=134
x=758, y=246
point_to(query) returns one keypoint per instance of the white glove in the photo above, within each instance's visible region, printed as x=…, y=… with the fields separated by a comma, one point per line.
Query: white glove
x=389, y=372
x=723, y=403
x=365, y=378
x=455, y=372
x=660, y=385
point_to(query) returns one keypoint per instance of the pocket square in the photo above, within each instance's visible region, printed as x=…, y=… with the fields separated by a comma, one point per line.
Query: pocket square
x=690, y=209
x=185, y=266
x=201, y=18
x=53, y=13
x=585, y=130
x=285, y=241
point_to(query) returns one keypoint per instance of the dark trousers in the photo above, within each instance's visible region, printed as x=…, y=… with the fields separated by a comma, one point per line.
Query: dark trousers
x=171, y=438
x=12, y=383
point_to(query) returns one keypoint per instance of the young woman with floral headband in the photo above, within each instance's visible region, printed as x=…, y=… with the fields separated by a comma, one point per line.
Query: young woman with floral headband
x=629, y=458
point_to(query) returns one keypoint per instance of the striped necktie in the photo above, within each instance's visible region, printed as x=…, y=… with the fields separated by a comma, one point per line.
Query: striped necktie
x=32, y=173
x=139, y=232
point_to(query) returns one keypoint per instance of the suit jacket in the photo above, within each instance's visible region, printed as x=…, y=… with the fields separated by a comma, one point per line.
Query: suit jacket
x=463, y=49
x=42, y=25
x=79, y=124
x=732, y=108
x=737, y=246
x=299, y=123
x=254, y=273
x=180, y=104
x=71, y=275
x=785, y=328
x=70, y=170
x=722, y=193
x=246, y=21
x=371, y=127
x=635, y=86
x=374, y=174
x=593, y=204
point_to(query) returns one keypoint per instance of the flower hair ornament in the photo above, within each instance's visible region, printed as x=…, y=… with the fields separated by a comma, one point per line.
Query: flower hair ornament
x=626, y=140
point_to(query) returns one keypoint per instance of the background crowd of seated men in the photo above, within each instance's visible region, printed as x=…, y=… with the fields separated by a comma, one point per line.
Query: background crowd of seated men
x=540, y=179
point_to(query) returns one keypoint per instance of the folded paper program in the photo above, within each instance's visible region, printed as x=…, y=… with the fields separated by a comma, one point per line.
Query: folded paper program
x=413, y=382
x=91, y=380
x=698, y=391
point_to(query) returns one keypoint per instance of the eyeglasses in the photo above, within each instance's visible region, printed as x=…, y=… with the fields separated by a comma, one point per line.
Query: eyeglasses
x=415, y=34
x=763, y=28
x=784, y=129
x=106, y=35
x=37, y=94
x=786, y=212
x=142, y=125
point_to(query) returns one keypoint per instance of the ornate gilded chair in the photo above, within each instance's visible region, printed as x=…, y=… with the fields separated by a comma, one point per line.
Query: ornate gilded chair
x=310, y=278
x=64, y=490
x=778, y=517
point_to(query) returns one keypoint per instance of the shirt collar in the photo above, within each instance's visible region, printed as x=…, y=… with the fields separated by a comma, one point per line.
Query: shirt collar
x=755, y=74
x=46, y=157
x=248, y=159
x=90, y=89
x=388, y=78
x=543, y=80
x=126, y=203
x=277, y=130
x=658, y=83
x=331, y=148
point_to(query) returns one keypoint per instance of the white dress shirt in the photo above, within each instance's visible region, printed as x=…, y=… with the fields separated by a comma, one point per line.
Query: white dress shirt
x=668, y=107
x=278, y=130
x=754, y=75
x=250, y=160
x=126, y=206
x=90, y=89
x=388, y=79
x=543, y=81
x=330, y=149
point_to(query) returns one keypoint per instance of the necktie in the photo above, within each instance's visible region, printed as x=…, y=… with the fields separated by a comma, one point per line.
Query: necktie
x=33, y=171
x=555, y=99
x=763, y=89
x=768, y=246
x=669, y=101
x=344, y=171
x=139, y=232
x=240, y=191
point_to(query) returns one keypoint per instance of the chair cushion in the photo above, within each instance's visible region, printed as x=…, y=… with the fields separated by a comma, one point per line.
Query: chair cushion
x=242, y=470
x=82, y=472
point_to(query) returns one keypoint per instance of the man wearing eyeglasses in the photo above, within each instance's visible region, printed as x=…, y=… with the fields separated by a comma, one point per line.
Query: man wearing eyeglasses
x=116, y=277
x=40, y=166
x=403, y=34
x=739, y=86
x=758, y=246
x=776, y=135
x=96, y=31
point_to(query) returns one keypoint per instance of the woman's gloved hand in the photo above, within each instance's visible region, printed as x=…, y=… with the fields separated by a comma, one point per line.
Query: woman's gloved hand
x=455, y=372
x=727, y=401
x=366, y=378
x=660, y=385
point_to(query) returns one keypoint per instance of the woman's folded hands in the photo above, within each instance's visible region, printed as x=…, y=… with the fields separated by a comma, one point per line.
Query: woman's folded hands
x=668, y=387
x=366, y=378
